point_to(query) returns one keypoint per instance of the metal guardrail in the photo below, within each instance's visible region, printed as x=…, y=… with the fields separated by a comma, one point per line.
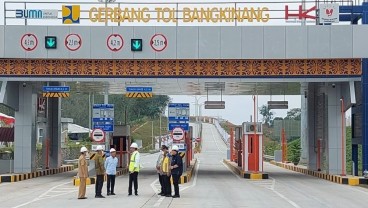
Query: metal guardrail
x=269, y=157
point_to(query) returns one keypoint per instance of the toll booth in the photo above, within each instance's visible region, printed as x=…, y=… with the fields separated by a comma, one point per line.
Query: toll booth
x=121, y=143
x=252, y=146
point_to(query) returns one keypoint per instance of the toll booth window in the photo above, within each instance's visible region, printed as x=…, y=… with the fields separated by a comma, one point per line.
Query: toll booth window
x=251, y=145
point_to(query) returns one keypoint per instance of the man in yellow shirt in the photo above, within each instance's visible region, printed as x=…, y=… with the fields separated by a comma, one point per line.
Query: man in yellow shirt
x=166, y=172
x=134, y=166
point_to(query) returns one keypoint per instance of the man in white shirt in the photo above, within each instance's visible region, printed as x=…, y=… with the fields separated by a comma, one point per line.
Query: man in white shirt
x=110, y=165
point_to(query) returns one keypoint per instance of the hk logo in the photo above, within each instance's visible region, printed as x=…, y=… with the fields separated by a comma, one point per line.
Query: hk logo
x=329, y=12
x=301, y=14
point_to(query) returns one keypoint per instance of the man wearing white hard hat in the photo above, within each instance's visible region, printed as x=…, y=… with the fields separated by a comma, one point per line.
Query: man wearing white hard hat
x=176, y=169
x=82, y=173
x=100, y=172
x=134, y=169
x=110, y=165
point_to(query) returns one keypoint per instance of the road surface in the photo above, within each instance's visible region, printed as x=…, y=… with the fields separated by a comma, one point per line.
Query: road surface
x=213, y=186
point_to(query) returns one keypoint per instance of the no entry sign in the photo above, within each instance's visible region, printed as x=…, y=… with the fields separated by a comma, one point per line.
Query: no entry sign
x=98, y=135
x=177, y=134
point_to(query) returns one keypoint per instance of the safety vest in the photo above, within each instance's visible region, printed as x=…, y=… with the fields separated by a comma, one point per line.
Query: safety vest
x=132, y=163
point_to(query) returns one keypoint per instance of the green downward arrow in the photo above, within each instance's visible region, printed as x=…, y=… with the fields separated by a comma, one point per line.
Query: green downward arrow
x=51, y=42
x=136, y=44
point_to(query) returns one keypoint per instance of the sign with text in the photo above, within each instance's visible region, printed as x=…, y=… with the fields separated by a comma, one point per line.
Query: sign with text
x=158, y=42
x=177, y=134
x=36, y=13
x=56, y=88
x=103, y=117
x=115, y=42
x=29, y=42
x=184, y=126
x=179, y=112
x=73, y=42
x=329, y=13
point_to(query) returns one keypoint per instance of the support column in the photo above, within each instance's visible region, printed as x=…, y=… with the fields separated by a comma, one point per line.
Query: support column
x=365, y=112
x=336, y=129
x=54, y=131
x=25, y=131
x=312, y=156
x=107, y=134
x=304, y=123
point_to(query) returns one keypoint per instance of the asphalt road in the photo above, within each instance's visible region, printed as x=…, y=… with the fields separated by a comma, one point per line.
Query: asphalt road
x=213, y=186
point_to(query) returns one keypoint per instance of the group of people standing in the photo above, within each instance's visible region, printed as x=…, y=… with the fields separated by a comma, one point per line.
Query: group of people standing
x=169, y=166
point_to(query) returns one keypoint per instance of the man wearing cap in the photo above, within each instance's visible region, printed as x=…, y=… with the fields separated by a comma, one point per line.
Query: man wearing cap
x=176, y=169
x=110, y=165
x=134, y=166
x=100, y=172
x=82, y=173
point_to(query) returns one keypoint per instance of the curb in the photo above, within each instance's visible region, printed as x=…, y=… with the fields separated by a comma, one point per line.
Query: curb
x=186, y=178
x=25, y=176
x=246, y=175
x=92, y=180
x=352, y=181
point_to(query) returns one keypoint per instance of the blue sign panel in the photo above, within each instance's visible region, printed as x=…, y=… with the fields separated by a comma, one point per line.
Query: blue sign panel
x=103, y=106
x=105, y=127
x=56, y=88
x=178, y=105
x=184, y=126
x=103, y=119
x=139, y=89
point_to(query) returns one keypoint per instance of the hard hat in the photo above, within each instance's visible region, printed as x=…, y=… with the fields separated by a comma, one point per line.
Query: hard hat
x=99, y=148
x=134, y=145
x=112, y=150
x=83, y=149
x=176, y=148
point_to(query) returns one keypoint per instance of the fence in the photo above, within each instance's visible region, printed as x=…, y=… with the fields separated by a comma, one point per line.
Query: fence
x=224, y=135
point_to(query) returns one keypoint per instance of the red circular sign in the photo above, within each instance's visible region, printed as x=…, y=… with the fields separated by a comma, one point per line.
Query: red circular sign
x=115, y=42
x=98, y=135
x=177, y=134
x=29, y=42
x=73, y=42
x=158, y=42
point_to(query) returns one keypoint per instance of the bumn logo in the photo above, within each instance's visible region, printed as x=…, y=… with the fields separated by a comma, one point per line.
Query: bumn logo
x=28, y=14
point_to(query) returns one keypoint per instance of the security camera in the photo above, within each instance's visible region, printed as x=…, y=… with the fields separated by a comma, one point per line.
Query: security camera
x=24, y=84
x=333, y=85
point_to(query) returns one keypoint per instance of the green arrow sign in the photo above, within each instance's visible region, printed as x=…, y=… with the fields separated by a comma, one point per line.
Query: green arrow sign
x=136, y=44
x=50, y=42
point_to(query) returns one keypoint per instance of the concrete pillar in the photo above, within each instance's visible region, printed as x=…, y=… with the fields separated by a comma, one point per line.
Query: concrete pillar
x=53, y=132
x=304, y=123
x=25, y=131
x=336, y=147
x=311, y=101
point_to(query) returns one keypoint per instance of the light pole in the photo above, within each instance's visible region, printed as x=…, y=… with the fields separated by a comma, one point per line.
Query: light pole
x=106, y=2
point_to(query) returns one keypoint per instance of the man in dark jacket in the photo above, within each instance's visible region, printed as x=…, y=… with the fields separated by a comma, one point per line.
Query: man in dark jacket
x=176, y=169
x=100, y=172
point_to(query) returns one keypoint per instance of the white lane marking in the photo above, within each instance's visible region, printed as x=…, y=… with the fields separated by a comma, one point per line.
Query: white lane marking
x=281, y=195
x=46, y=196
x=153, y=186
x=195, y=177
x=158, y=203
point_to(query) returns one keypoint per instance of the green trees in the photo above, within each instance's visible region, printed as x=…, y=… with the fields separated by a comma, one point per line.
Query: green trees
x=267, y=115
x=293, y=151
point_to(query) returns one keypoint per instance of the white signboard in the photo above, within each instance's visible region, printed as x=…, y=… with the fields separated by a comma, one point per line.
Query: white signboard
x=98, y=135
x=328, y=13
x=177, y=134
x=36, y=13
x=94, y=147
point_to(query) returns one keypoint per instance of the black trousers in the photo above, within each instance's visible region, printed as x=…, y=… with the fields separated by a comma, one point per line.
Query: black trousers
x=167, y=184
x=176, y=183
x=133, y=178
x=110, y=182
x=161, y=179
x=99, y=184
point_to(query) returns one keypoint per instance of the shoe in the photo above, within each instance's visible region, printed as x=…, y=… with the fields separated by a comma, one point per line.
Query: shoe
x=100, y=196
x=108, y=194
x=129, y=194
x=162, y=194
x=136, y=194
x=168, y=195
x=113, y=194
x=83, y=198
x=176, y=196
